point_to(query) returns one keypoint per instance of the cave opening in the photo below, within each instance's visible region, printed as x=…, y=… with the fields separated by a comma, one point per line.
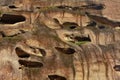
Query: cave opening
x=72, y=27
x=99, y=6
x=82, y=38
x=11, y=19
x=12, y=6
x=30, y=64
x=117, y=67
x=65, y=50
x=22, y=54
x=56, y=77
x=94, y=6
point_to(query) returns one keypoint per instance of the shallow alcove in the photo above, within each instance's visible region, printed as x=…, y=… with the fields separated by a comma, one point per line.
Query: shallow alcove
x=43, y=52
x=116, y=67
x=56, y=20
x=20, y=53
x=63, y=7
x=38, y=7
x=94, y=6
x=75, y=8
x=30, y=64
x=101, y=27
x=98, y=7
x=2, y=33
x=12, y=6
x=65, y=50
x=11, y=19
x=92, y=24
x=56, y=77
x=70, y=25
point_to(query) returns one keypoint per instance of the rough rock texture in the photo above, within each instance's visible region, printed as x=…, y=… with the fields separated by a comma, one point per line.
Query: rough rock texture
x=62, y=43
x=112, y=9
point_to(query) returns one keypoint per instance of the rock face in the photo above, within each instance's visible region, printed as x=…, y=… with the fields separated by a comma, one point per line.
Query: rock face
x=58, y=40
x=111, y=10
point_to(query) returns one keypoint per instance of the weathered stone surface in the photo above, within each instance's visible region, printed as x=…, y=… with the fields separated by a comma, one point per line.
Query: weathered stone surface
x=45, y=47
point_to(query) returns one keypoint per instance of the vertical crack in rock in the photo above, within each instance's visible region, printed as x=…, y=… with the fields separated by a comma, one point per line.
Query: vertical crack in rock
x=87, y=63
x=97, y=57
x=106, y=65
x=22, y=54
x=82, y=64
x=113, y=58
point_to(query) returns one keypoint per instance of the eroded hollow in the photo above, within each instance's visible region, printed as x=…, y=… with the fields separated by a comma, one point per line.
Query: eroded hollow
x=82, y=38
x=12, y=6
x=30, y=64
x=70, y=25
x=56, y=20
x=22, y=54
x=11, y=19
x=65, y=50
x=63, y=7
x=117, y=67
x=94, y=6
x=101, y=27
x=92, y=24
x=43, y=52
x=56, y=77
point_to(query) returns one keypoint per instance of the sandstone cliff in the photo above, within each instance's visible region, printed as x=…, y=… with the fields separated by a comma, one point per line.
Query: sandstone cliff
x=59, y=40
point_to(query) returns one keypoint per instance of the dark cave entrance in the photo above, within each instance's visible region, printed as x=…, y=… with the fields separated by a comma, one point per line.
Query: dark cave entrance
x=22, y=54
x=82, y=38
x=117, y=67
x=30, y=64
x=56, y=77
x=11, y=19
x=12, y=6
x=65, y=50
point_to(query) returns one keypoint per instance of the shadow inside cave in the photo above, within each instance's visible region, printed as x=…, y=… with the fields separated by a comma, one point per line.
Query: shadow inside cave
x=11, y=19
x=22, y=54
x=65, y=50
x=56, y=77
x=82, y=38
x=30, y=64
